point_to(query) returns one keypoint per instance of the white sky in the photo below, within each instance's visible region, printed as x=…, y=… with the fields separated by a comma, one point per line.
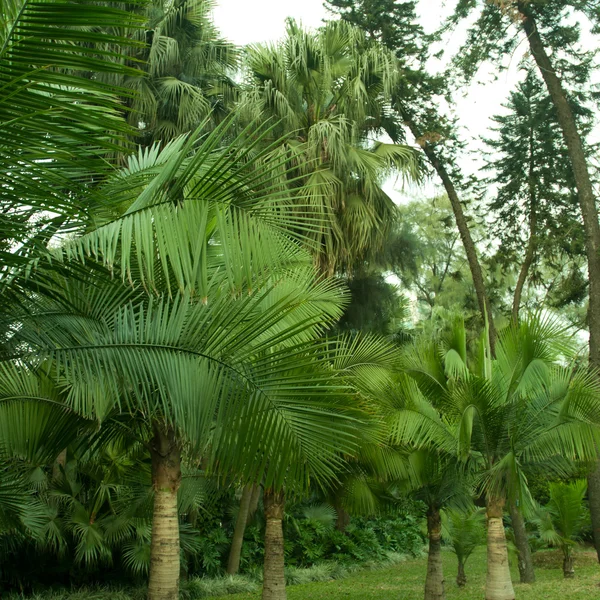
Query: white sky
x=250, y=21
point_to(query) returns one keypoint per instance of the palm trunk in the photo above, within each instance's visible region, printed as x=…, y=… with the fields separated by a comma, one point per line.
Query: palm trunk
x=274, y=574
x=498, y=585
x=434, y=581
x=463, y=229
x=589, y=213
x=163, y=583
x=461, y=577
x=237, y=540
x=568, y=563
x=256, y=491
x=526, y=571
x=59, y=465
x=343, y=518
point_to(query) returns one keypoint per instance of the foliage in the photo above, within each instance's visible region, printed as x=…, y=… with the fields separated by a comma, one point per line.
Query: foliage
x=189, y=69
x=562, y=521
x=426, y=254
x=464, y=531
x=536, y=207
x=329, y=95
x=519, y=410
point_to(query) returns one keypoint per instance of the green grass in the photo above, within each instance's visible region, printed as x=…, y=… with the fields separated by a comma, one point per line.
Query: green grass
x=406, y=580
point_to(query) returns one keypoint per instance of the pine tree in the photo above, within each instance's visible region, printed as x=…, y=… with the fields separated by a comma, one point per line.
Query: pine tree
x=536, y=214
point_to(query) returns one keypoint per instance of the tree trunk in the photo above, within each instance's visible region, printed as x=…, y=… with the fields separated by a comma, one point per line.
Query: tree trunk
x=463, y=228
x=59, y=465
x=594, y=503
x=343, y=519
x=256, y=491
x=274, y=574
x=434, y=581
x=526, y=571
x=498, y=585
x=568, y=563
x=163, y=583
x=589, y=213
x=531, y=244
x=237, y=540
x=461, y=577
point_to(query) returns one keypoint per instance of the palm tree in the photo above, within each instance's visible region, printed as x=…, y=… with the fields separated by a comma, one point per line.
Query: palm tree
x=189, y=69
x=464, y=531
x=441, y=483
x=195, y=357
x=560, y=522
x=57, y=126
x=328, y=94
x=520, y=409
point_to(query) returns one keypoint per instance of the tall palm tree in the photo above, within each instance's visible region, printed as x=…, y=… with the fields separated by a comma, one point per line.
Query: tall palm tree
x=189, y=70
x=328, y=93
x=521, y=409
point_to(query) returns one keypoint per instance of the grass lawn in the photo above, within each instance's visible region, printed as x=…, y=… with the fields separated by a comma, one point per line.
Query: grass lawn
x=405, y=581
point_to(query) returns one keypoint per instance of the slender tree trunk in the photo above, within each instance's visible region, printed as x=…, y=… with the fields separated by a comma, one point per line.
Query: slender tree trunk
x=237, y=540
x=343, y=518
x=526, y=570
x=532, y=242
x=594, y=503
x=274, y=574
x=434, y=581
x=498, y=585
x=256, y=492
x=463, y=228
x=163, y=583
x=461, y=577
x=568, y=563
x=589, y=213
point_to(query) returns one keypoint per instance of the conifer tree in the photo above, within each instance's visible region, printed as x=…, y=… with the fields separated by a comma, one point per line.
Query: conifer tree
x=394, y=23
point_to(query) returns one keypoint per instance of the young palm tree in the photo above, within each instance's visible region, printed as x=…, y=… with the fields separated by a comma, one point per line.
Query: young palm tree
x=328, y=92
x=441, y=483
x=464, y=531
x=522, y=408
x=560, y=522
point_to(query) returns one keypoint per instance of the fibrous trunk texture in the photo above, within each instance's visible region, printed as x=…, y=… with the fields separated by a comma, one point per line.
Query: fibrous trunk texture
x=274, y=565
x=163, y=583
x=589, y=212
x=59, y=465
x=463, y=228
x=498, y=584
x=526, y=570
x=343, y=518
x=461, y=577
x=434, y=582
x=237, y=540
x=568, y=564
x=594, y=503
